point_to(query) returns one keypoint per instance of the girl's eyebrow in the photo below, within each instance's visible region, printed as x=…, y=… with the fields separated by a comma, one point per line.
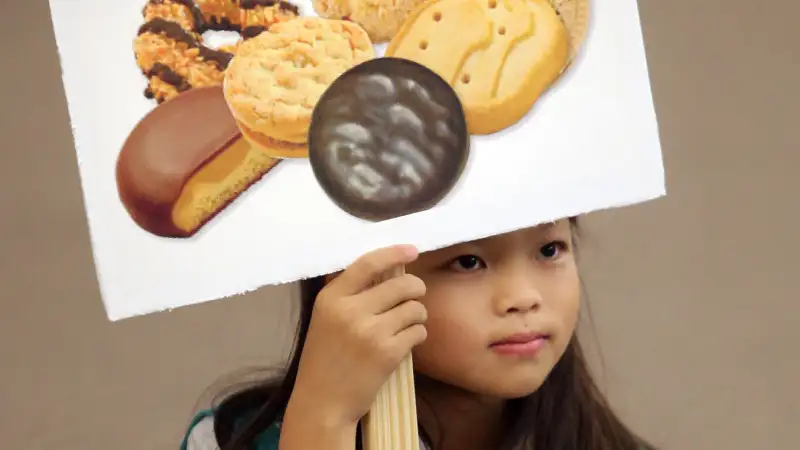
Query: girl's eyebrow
x=549, y=228
x=477, y=244
x=546, y=226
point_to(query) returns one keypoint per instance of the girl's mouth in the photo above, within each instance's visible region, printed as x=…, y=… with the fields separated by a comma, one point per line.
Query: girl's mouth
x=526, y=345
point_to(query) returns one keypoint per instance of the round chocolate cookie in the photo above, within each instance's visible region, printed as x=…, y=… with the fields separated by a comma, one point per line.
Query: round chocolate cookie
x=388, y=138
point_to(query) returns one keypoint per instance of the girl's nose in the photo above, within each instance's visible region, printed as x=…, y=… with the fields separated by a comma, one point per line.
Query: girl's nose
x=517, y=294
x=521, y=302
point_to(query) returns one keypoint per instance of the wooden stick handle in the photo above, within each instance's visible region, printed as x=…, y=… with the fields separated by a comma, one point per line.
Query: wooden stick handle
x=391, y=423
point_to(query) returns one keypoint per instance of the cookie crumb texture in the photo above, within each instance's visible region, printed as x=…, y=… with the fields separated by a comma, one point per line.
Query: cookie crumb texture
x=276, y=78
x=380, y=18
x=169, y=46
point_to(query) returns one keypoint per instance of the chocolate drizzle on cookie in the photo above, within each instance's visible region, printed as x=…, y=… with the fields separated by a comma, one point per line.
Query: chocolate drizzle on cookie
x=197, y=15
x=168, y=76
x=252, y=31
x=283, y=5
x=174, y=31
x=200, y=25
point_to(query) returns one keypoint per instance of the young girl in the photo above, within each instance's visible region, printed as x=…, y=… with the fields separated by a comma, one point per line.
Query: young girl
x=491, y=326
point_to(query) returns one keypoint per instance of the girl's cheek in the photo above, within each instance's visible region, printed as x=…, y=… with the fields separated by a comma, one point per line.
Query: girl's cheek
x=443, y=325
x=569, y=305
x=445, y=351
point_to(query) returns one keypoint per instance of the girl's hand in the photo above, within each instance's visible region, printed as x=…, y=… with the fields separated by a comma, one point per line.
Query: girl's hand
x=359, y=334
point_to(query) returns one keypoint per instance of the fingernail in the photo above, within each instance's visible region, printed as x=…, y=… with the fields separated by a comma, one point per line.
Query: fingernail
x=410, y=251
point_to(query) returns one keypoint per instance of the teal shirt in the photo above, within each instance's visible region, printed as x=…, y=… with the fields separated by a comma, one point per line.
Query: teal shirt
x=267, y=440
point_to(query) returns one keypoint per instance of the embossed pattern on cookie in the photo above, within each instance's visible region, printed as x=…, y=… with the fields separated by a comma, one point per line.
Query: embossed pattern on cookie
x=477, y=79
x=442, y=34
x=530, y=68
x=498, y=78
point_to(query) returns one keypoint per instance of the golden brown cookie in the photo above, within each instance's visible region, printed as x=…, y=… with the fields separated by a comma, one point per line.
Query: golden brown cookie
x=506, y=55
x=169, y=47
x=380, y=18
x=575, y=14
x=277, y=77
x=174, y=60
x=442, y=34
x=239, y=15
x=182, y=12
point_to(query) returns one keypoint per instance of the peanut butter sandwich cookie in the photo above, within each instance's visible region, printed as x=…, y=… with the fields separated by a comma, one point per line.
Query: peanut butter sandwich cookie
x=276, y=78
x=380, y=18
x=169, y=46
x=506, y=55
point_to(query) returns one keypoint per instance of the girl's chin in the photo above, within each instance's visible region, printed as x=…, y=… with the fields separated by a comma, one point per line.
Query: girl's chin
x=510, y=390
x=505, y=383
x=508, y=386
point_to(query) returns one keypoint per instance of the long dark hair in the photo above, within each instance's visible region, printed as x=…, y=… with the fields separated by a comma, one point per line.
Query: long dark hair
x=568, y=412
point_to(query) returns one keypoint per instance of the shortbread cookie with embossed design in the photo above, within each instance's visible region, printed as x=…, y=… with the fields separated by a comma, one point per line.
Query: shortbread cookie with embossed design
x=277, y=77
x=507, y=54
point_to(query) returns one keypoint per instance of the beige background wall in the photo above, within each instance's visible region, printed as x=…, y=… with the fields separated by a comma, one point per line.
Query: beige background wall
x=694, y=297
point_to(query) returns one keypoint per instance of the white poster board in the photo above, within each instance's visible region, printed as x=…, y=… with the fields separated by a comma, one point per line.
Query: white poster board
x=590, y=142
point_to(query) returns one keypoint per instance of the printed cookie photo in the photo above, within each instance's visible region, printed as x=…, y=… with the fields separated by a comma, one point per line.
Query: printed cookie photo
x=170, y=49
x=235, y=143
x=276, y=79
x=508, y=54
x=197, y=151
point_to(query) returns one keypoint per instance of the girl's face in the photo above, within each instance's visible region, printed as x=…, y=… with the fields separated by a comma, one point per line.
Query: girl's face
x=501, y=311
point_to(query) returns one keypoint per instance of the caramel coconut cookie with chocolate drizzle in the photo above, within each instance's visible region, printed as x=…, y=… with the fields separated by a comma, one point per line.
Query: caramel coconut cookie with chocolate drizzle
x=169, y=46
x=248, y=17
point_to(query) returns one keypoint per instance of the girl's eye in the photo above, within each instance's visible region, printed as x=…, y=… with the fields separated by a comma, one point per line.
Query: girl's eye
x=467, y=263
x=552, y=250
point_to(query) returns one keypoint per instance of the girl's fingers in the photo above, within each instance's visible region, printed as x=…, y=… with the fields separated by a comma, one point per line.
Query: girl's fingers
x=385, y=296
x=409, y=338
x=367, y=269
x=405, y=315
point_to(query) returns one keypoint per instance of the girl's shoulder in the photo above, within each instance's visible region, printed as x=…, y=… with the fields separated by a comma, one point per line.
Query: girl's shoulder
x=201, y=436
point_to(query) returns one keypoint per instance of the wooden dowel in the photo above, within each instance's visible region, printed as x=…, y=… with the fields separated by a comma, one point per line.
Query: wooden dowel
x=391, y=423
